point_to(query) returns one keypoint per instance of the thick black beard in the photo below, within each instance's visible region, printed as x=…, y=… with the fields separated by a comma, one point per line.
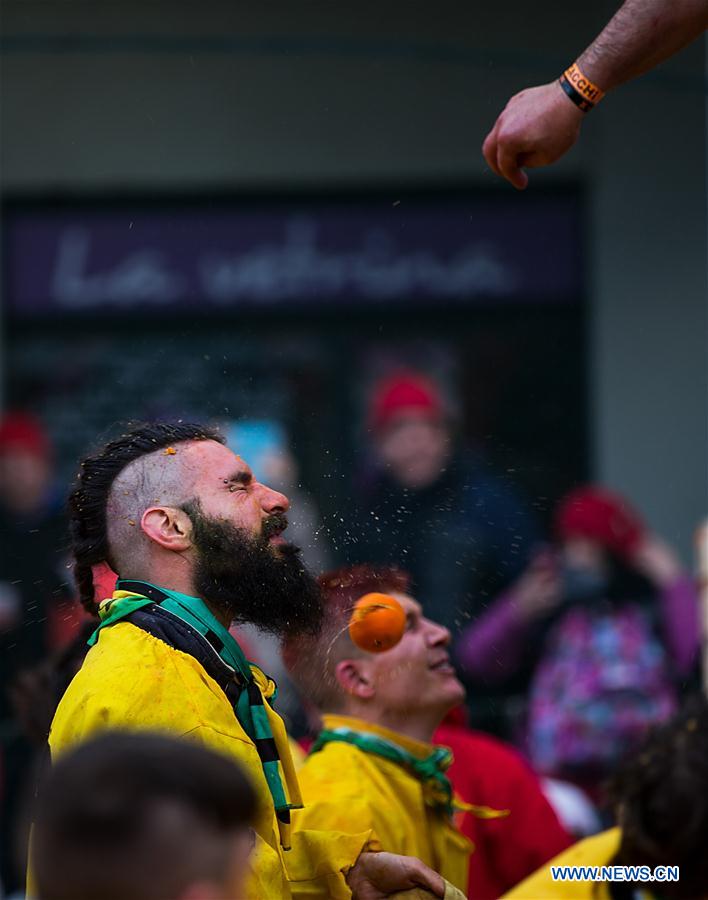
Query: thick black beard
x=248, y=580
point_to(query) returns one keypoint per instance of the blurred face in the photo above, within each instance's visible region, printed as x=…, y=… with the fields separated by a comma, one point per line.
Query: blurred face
x=416, y=676
x=586, y=554
x=24, y=479
x=415, y=448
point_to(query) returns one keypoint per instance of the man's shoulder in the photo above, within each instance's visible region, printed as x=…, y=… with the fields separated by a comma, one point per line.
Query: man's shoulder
x=131, y=679
x=597, y=850
x=326, y=764
x=126, y=646
x=343, y=790
x=340, y=770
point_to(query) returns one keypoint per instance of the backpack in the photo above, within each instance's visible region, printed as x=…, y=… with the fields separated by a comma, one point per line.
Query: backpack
x=603, y=681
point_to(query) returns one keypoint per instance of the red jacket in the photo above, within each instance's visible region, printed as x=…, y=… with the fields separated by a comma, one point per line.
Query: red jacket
x=487, y=772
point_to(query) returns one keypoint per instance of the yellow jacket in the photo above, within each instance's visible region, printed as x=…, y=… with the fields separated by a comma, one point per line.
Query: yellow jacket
x=598, y=850
x=346, y=789
x=132, y=680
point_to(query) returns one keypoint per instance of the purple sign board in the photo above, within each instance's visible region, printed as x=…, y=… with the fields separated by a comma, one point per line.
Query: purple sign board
x=89, y=260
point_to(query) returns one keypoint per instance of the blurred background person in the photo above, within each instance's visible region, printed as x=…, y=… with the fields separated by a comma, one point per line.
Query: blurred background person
x=33, y=547
x=605, y=625
x=659, y=799
x=34, y=694
x=436, y=507
x=33, y=595
x=143, y=816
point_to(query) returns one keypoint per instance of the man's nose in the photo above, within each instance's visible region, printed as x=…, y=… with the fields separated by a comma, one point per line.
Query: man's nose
x=273, y=501
x=438, y=635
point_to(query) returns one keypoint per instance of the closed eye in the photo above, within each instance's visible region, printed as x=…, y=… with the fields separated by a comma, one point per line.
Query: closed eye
x=238, y=481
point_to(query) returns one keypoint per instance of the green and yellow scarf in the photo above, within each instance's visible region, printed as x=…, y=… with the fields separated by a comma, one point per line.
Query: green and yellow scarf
x=187, y=624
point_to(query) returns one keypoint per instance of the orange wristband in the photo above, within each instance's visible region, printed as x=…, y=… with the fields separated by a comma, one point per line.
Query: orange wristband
x=583, y=92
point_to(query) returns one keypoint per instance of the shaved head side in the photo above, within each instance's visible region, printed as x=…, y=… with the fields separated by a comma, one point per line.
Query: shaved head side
x=127, y=475
x=163, y=478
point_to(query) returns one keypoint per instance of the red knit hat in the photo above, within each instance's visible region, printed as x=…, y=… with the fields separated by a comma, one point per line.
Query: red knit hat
x=404, y=393
x=599, y=514
x=20, y=431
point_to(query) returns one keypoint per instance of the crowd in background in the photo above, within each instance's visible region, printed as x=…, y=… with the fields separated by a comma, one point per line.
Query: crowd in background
x=573, y=641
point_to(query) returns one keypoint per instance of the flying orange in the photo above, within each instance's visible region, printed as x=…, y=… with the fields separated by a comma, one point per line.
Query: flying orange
x=377, y=623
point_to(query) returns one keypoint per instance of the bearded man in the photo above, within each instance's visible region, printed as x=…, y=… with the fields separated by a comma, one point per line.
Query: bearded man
x=197, y=544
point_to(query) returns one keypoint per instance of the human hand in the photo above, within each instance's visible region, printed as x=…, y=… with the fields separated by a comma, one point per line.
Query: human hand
x=536, y=127
x=657, y=561
x=539, y=589
x=378, y=875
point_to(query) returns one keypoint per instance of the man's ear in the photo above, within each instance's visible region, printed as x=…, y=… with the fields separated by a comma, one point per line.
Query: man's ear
x=353, y=678
x=169, y=527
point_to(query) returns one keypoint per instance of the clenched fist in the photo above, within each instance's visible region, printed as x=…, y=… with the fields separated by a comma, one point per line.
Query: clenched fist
x=536, y=127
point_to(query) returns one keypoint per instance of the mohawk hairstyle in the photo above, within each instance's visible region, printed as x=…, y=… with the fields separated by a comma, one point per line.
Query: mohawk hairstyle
x=89, y=499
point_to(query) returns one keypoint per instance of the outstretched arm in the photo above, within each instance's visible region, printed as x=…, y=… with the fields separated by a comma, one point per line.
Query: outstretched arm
x=540, y=124
x=641, y=34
